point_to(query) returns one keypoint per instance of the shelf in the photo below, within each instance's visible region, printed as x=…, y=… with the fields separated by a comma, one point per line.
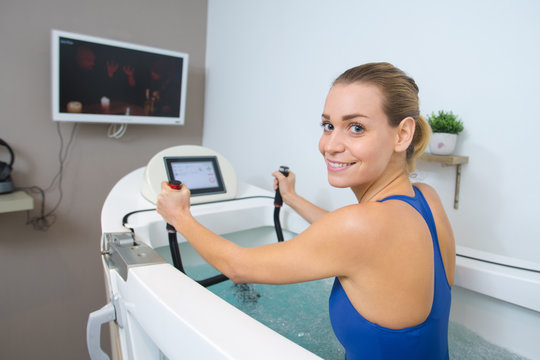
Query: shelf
x=449, y=160
x=445, y=159
x=16, y=201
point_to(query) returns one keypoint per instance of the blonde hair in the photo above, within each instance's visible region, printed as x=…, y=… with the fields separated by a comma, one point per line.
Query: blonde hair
x=400, y=94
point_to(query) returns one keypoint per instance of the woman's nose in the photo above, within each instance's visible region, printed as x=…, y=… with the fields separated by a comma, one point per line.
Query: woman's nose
x=332, y=143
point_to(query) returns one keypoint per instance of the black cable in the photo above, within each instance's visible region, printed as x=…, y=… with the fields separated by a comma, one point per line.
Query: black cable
x=175, y=252
x=277, y=224
x=497, y=263
x=126, y=216
x=213, y=280
x=278, y=203
x=44, y=221
x=62, y=157
x=38, y=222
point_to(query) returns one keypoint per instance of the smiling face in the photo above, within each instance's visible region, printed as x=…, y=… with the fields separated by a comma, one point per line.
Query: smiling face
x=357, y=141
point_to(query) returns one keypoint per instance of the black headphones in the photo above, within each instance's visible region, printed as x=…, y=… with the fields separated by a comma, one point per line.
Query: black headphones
x=5, y=169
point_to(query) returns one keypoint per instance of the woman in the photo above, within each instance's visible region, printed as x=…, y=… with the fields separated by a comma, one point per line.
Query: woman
x=392, y=253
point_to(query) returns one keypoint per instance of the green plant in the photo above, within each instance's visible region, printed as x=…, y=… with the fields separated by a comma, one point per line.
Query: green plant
x=445, y=122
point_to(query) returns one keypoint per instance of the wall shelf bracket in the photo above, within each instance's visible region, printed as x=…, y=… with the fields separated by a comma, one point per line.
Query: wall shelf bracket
x=449, y=160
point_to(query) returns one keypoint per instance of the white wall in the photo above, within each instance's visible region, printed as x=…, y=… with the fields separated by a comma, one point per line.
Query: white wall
x=270, y=64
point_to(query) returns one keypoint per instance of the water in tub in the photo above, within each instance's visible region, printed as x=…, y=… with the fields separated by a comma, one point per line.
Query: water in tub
x=300, y=311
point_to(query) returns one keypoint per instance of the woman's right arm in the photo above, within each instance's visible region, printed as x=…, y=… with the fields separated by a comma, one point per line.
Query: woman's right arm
x=303, y=207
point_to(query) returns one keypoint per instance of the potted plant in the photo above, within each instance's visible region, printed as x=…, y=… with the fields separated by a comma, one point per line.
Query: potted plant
x=445, y=126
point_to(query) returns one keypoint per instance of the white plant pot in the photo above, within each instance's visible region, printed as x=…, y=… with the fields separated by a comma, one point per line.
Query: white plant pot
x=442, y=143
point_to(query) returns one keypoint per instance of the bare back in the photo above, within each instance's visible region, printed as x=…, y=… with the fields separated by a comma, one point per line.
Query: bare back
x=398, y=273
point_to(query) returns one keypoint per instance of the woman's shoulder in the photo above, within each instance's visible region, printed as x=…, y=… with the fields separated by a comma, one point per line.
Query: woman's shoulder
x=374, y=218
x=431, y=195
x=353, y=231
x=368, y=212
x=426, y=189
x=366, y=220
x=358, y=230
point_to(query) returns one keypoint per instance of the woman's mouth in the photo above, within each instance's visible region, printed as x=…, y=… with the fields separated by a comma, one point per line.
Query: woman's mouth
x=338, y=165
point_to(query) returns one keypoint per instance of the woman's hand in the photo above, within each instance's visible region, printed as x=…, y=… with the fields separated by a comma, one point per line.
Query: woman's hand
x=172, y=204
x=285, y=184
x=304, y=208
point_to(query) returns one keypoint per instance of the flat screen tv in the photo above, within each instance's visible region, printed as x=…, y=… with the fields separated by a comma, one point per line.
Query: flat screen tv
x=106, y=81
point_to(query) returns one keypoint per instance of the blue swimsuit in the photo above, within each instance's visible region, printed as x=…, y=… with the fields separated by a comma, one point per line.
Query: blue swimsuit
x=363, y=339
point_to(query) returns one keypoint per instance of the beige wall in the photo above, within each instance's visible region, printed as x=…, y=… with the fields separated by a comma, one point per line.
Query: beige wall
x=51, y=280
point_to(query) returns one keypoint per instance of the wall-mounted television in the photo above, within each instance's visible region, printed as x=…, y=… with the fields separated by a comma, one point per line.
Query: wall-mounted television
x=107, y=81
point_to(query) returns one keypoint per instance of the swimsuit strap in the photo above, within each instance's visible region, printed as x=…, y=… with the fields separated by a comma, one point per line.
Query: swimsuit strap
x=420, y=204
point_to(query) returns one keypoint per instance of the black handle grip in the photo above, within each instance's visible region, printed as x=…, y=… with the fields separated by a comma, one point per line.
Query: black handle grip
x=173, y=184
x=278, y=201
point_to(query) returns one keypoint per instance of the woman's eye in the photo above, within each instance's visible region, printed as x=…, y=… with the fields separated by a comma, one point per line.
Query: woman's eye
x=357, y=129
x=327, y=126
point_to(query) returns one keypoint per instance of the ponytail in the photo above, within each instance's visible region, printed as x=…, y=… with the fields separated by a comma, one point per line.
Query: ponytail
x=420, y=142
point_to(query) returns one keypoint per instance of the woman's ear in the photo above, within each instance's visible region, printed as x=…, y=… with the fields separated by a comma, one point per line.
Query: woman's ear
x=404, y=134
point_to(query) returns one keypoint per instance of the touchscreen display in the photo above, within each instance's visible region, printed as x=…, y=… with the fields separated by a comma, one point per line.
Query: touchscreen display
x=200, y=174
